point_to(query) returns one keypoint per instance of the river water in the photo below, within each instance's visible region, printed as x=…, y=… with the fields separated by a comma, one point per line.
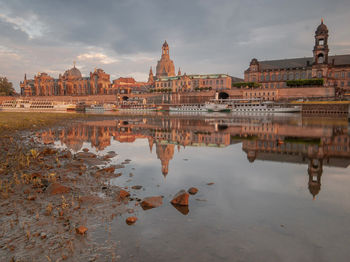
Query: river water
x=271, y=188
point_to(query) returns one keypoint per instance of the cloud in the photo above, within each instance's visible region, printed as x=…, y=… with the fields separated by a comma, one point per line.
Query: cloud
x=124, y=37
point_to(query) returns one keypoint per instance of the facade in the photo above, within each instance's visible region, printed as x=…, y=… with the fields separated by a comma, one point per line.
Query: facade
x=188, y=83
x=126, y=85
x=70, y=83
x=273, y=74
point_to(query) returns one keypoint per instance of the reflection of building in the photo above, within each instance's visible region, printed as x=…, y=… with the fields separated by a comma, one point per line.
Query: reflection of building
x=273, y=74
x=165, y=153
x=296, y=142
x=70, y=83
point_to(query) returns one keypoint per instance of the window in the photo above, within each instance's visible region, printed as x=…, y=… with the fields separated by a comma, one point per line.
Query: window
x=349, y=74
x=309, y=76
x=279, y=76
x=303, y=75
x=262, y=78
x=336, y=75
x=349, y=83
x=267, y=78
x=273, y=77
x=291, y=76
x=297, y=76
x=343, y=74
x=284, y=76
x=222, y=81
x=342, y=83
x=319, y=74
x=321, y=42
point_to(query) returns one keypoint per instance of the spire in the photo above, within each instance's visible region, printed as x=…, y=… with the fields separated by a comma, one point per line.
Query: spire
x=150, y=71
x=179, y=72
x=321, y=20
x=74, y=64
x=25, y=76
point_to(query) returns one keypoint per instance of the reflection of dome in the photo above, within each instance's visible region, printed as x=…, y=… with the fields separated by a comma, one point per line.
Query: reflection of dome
x=321, y=29
x=73, y=72
x=165, y=44
x=314, y=188
x=251, y=155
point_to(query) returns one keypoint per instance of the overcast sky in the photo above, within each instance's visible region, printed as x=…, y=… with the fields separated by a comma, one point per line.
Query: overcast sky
x=124, y=37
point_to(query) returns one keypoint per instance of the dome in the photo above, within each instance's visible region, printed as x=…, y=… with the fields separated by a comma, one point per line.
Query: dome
x=254, y=61
x=321, y=29
x=73, y=72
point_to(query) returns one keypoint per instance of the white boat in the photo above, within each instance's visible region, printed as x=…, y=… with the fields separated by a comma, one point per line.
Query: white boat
x=95, y=108
x=135, y=107
x=34, y=105
x=258, y=106
x=216, y=106
x=189, y=108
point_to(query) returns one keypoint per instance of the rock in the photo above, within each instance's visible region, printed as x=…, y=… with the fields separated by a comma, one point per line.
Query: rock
x=131, y=220
x=211, y=183
x=43, y=235
x=85, y=150
x=137, y=187
x=192, y=190
x=49, y=151
x=31, y=197
x=151, y=202
x=82, y=155
x=81, y=230
x=182, y=209
x=181, y=198
x=57, y=188
x=130, y=210
x=122, y=194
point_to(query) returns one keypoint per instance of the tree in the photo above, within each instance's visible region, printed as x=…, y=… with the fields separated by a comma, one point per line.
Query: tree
x=6, y=88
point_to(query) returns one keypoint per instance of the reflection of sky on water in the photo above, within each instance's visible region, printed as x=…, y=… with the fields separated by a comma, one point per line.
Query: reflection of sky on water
x=259, y=211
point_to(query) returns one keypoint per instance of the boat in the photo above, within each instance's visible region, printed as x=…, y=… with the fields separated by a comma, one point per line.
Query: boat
x=34, y=105
x=189, y=108
x=260, y=106
x=216, y=106
x=135, y=107
x=95, y=108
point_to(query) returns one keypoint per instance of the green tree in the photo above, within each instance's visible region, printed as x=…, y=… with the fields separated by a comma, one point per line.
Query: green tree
x=6, y=88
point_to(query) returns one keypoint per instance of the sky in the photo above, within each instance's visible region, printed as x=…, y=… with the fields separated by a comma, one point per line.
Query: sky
x=124, y=37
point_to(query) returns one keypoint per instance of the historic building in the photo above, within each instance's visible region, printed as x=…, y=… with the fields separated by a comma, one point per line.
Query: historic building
x=70, y=83
x=165, y=66
x=273, y=74
x=126, y=85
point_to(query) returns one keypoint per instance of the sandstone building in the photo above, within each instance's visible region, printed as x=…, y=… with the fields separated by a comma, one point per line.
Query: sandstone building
x=70, y=83
x=274, y=74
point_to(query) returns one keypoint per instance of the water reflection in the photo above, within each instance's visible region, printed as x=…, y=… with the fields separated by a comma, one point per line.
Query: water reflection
x=313, y=142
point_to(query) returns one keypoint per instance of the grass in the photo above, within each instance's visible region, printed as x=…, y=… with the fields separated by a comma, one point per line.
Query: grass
x=17, y=121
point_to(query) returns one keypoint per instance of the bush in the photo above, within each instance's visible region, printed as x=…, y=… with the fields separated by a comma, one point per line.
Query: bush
x=305, y=82
x=245, y=84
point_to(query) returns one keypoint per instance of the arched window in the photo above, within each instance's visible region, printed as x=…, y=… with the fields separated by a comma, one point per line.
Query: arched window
x=321, y=42
x=320, y=58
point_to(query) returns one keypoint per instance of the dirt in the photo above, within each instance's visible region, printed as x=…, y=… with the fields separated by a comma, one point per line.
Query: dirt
x=51, y=201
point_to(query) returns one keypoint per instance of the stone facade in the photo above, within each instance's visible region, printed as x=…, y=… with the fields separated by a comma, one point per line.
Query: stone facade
x=70, y=83
x=273, y=74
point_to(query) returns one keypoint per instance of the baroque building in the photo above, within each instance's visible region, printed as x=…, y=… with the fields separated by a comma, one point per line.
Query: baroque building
x=273, y=74
x=70, y=83
x=165, y=66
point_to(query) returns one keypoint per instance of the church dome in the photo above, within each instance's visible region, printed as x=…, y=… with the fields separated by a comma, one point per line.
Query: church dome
x=321, y=29
x=73, y=72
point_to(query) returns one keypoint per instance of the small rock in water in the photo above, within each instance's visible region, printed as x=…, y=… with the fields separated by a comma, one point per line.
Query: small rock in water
x=42, y=235
x=181, y=198
x=211, y=183
x=152, y=202
x=122, y=194
x=192, y=190
x=81, y=230
x=85, y=150
x=131, y=220
x=137, y=187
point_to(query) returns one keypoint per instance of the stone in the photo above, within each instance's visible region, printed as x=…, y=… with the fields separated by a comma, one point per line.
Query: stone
x=210, y=184
x=122, y=194
x=43, y=235
x=81, y=230
x=57, y=188
x=136, y=187
x=82, y=155
x=192, y=190
x=85, y=150
x=31, y=197
x=151, y=202
x=131, y=220
x=181, y=198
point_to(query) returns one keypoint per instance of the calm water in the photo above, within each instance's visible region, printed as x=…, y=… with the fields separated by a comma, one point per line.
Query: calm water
x=281, y=187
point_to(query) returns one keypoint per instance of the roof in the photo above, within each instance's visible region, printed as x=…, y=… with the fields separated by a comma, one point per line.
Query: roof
x=339, y=60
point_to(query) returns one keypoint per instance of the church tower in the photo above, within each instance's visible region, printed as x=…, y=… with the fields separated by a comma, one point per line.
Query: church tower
x=150, y=76
x=165, y=66
x=321, y=44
